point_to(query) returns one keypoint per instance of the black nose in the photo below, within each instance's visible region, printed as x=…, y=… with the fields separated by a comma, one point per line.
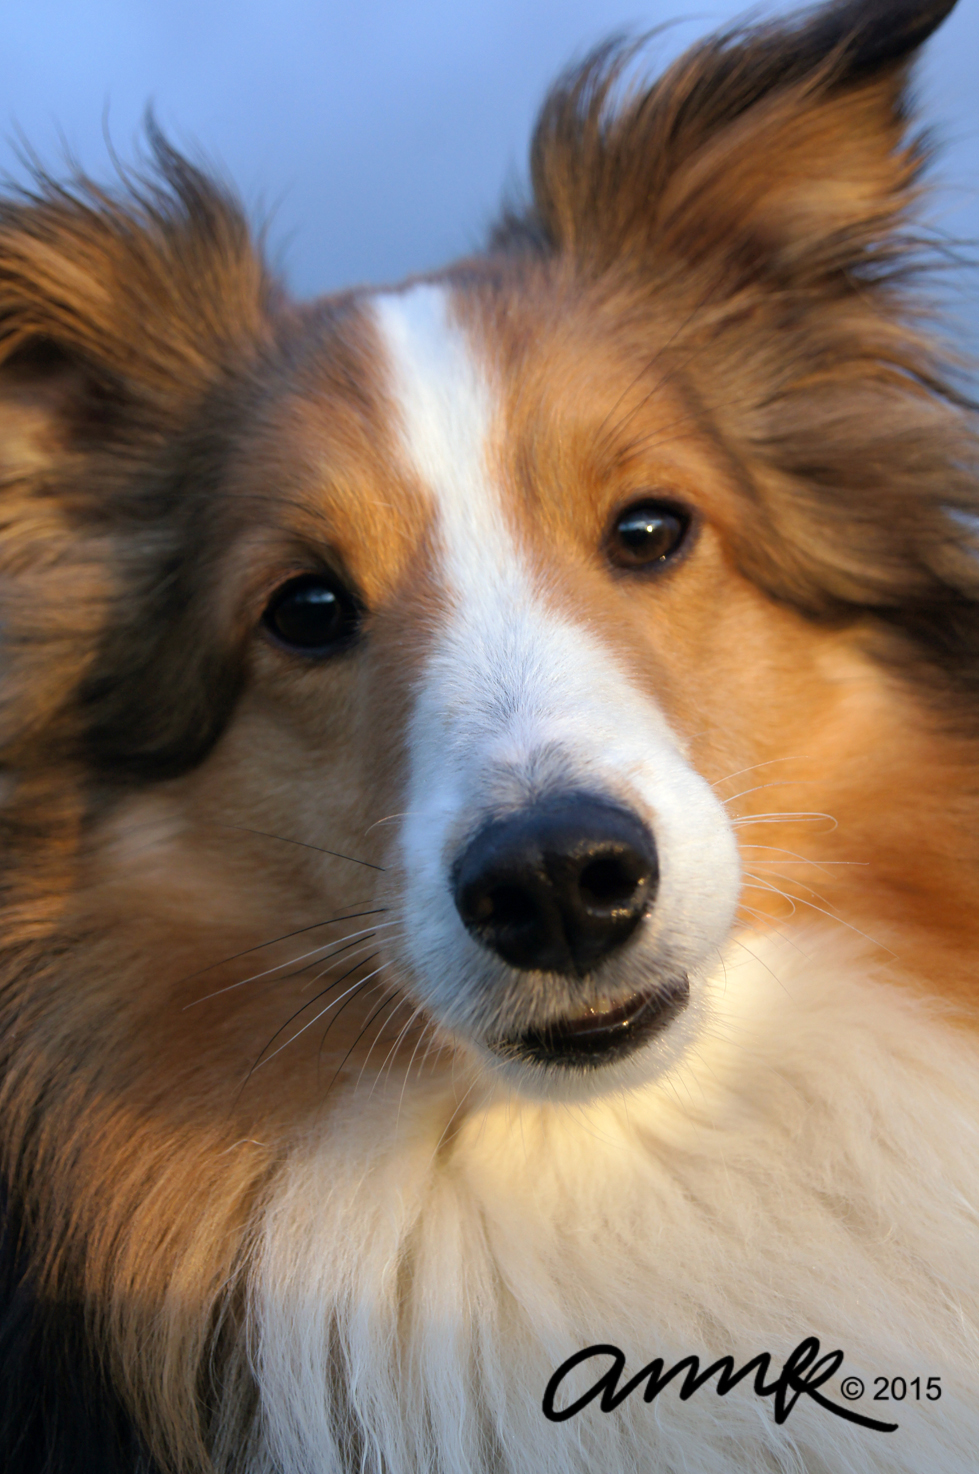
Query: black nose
x=557, y=886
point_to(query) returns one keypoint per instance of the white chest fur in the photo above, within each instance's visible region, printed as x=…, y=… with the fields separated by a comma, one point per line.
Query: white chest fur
x=808, y=1171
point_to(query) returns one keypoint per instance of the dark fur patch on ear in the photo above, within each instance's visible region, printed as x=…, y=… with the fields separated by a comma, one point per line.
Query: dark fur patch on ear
x=868, y=34
x=131, y=324
x=168, y=667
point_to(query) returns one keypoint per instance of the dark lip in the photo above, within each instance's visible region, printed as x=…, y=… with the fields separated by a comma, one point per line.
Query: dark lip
x=596, y=1038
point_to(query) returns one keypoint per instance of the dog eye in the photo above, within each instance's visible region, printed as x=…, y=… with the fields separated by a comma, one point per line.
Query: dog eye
x=647, y=533
x=313, y=614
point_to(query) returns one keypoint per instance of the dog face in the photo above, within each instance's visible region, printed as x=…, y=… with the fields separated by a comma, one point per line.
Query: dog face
x=500, y=670
x=429, y=633
x=556, y=844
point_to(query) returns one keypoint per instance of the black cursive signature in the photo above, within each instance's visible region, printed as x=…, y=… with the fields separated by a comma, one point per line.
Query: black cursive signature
x=801, y=1374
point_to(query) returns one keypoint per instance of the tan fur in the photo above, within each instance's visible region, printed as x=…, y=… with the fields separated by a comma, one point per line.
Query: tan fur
x=699, y=306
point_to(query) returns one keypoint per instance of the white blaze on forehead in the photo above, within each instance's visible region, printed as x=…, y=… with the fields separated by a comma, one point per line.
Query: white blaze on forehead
x=517, y=698
x=507, y=663
x=446, y=409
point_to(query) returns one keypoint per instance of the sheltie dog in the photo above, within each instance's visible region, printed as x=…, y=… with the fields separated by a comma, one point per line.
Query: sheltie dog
x=490, y=812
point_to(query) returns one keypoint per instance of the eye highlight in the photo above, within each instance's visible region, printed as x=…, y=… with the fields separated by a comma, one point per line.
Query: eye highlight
x=647, y=533
x=313, y=615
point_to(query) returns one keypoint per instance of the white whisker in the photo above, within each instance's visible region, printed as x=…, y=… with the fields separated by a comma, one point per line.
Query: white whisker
x=322, y=1013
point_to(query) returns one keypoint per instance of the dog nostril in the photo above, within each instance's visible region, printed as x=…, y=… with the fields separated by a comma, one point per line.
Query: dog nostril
x=558, y=886
x=607, y=883
x=507, y=905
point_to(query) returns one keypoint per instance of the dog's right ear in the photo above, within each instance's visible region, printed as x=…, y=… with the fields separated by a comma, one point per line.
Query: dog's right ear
x=121, y=315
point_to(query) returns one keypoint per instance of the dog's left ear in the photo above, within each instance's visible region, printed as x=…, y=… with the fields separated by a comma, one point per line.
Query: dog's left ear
x=769, y=152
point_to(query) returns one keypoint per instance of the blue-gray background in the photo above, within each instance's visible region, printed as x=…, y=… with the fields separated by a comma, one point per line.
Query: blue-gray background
x=376, y=136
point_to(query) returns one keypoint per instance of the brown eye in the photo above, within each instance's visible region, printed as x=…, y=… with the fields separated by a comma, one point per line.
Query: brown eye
x=647, y=533
x=313, y=615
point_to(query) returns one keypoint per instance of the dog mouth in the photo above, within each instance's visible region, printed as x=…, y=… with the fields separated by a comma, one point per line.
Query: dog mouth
x=600, y=1034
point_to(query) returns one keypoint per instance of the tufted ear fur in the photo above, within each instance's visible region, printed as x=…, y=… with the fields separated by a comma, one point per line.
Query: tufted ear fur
x=772, y=150
x=125, y=317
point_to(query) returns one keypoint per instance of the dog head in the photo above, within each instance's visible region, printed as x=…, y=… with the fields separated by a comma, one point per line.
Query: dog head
x=382, y=671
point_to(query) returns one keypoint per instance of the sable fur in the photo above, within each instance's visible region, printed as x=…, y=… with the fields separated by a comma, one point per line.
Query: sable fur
x=182, y=1242
x=130, y=325
x=821, y=380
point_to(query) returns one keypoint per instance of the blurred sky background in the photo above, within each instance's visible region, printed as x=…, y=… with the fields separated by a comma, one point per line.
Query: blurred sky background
x=377, y=136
